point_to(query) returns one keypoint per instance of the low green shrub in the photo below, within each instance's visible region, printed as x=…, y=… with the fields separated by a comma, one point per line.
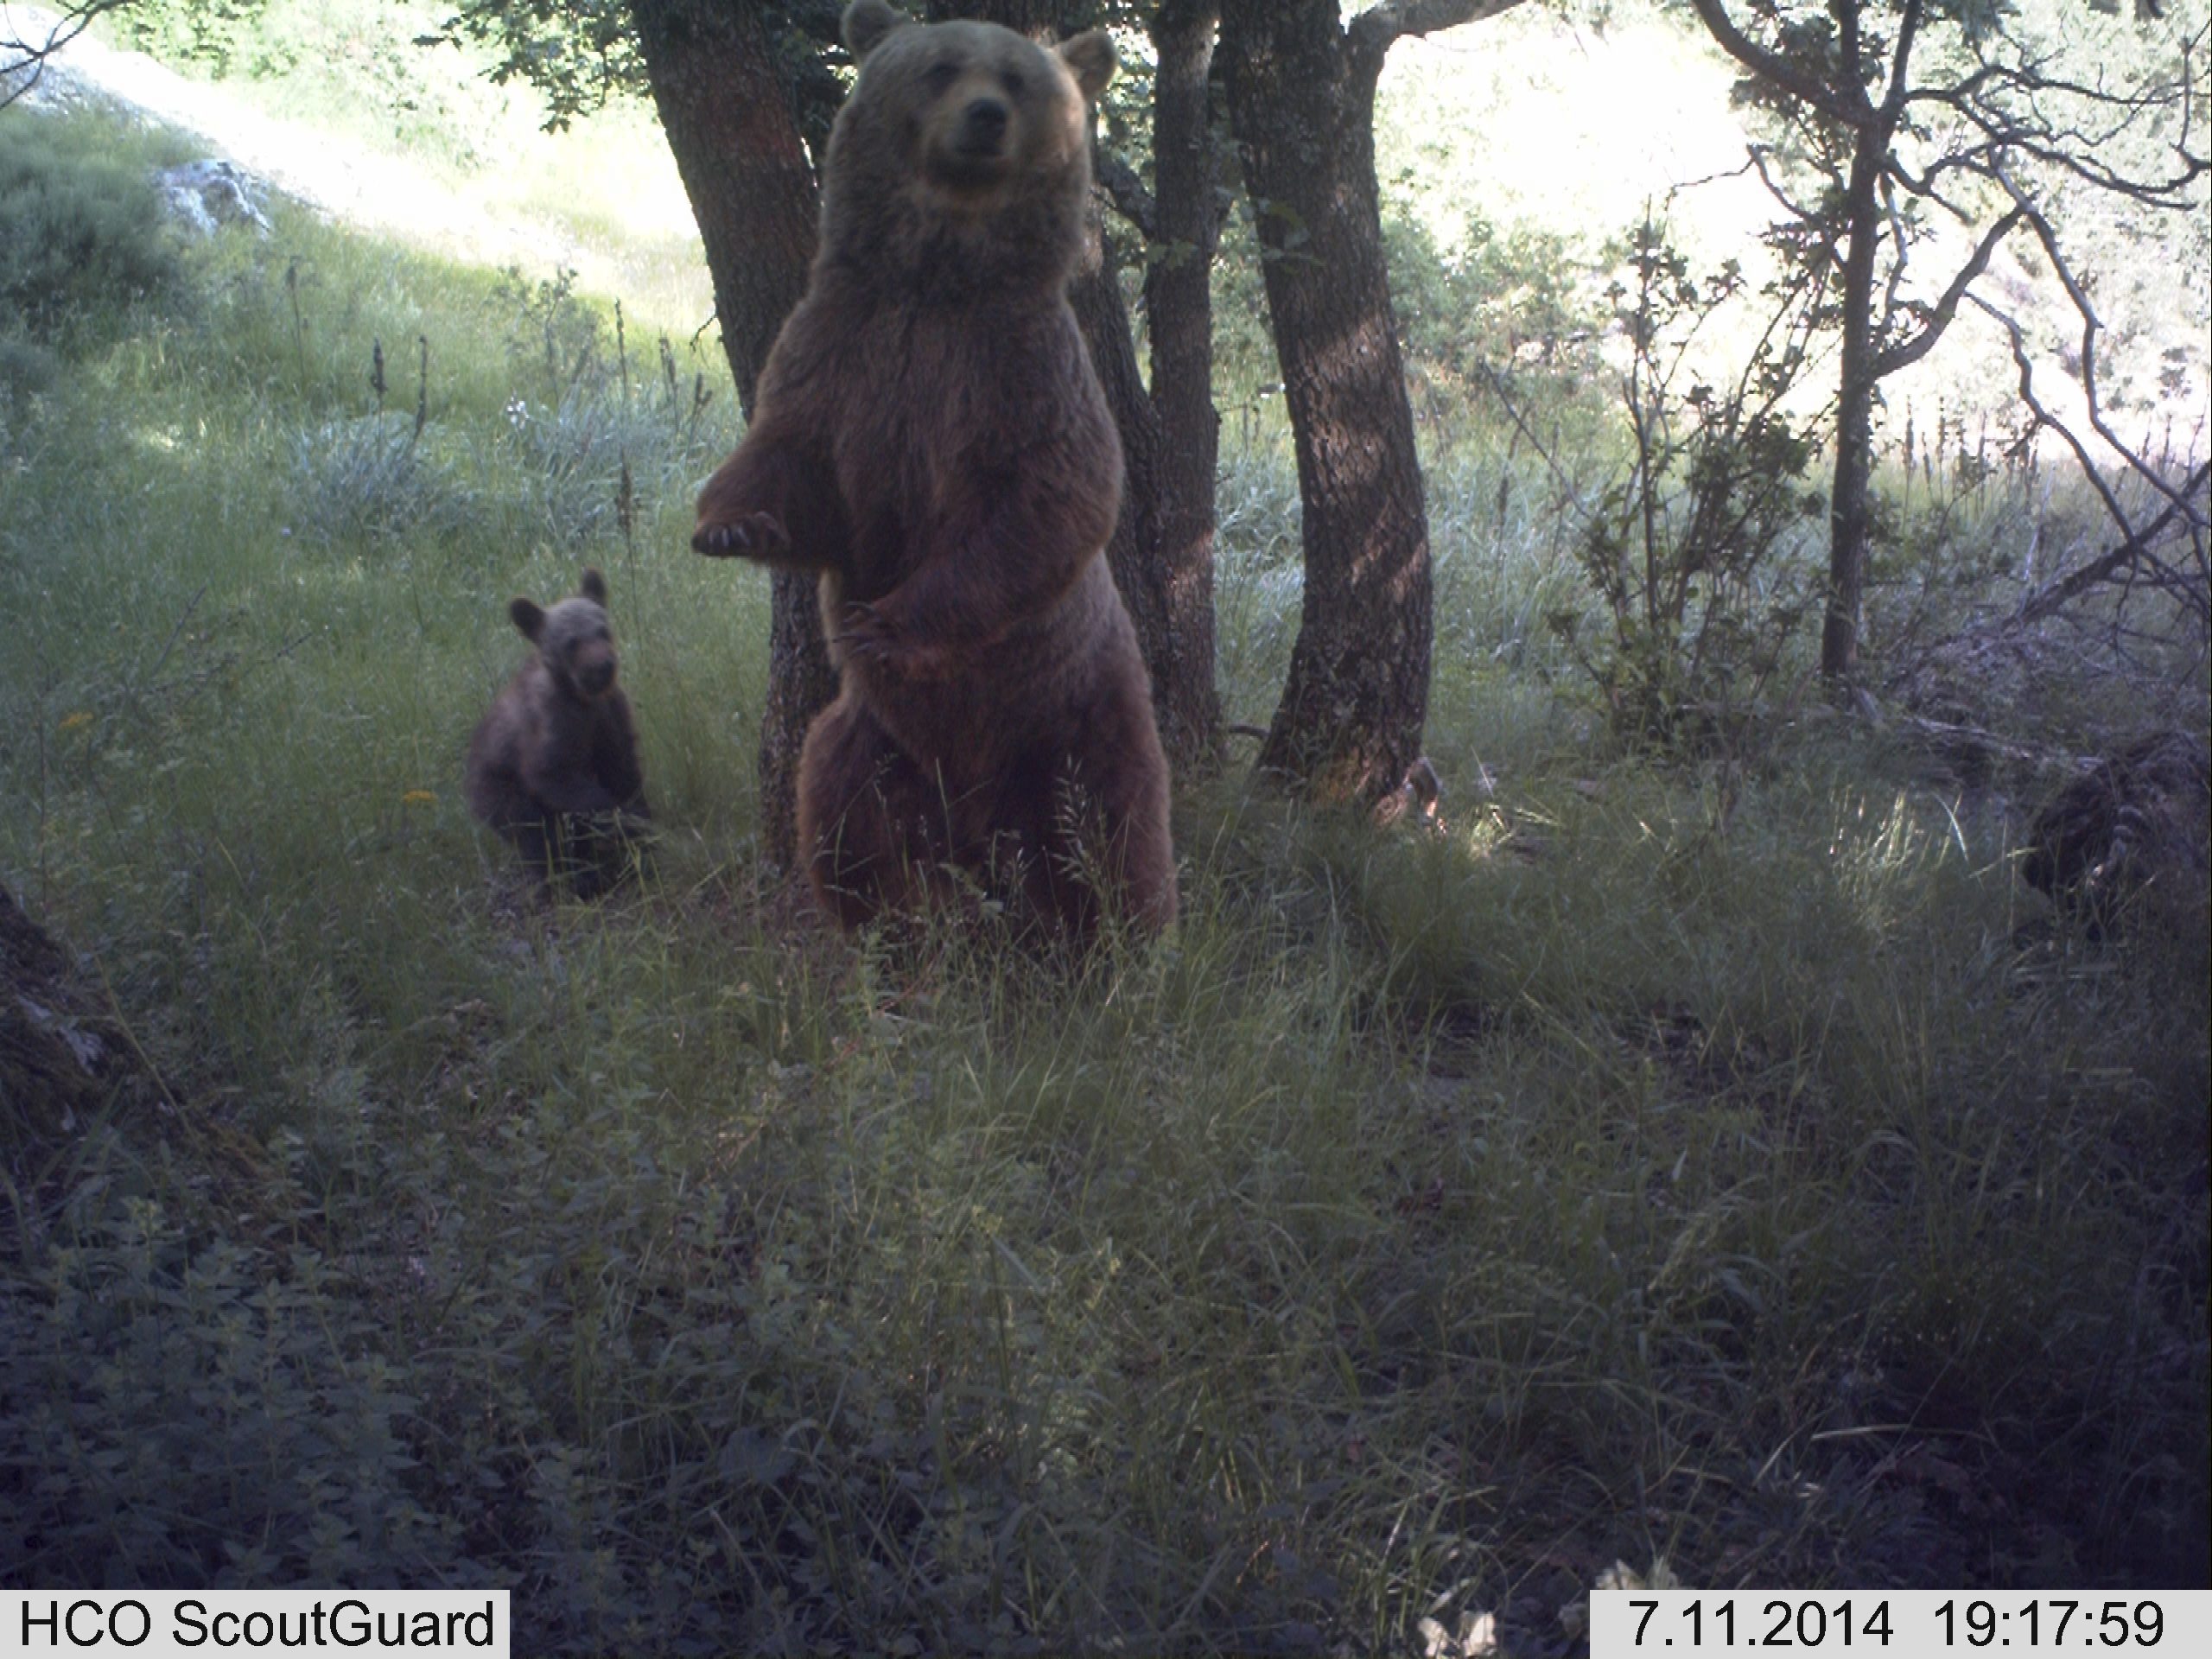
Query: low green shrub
x=26, y=367
x=1690, y=551
x=373, y=479
x=81, y=235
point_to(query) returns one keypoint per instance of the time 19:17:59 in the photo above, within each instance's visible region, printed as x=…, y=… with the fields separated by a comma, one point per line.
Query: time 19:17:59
x=2114, y=1627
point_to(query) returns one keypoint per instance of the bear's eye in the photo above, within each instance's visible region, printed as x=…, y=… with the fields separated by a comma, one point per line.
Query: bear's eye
x=1013, y=82
x=942, y=75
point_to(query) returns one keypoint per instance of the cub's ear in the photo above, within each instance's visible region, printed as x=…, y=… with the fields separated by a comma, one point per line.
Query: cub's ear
x=1090, y=58
x=594, y=587
x=867, y=22
x=528, y=618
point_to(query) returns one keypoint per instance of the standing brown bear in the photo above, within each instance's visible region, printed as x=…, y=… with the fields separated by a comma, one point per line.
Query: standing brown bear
x=930, y=437
x=554, y=763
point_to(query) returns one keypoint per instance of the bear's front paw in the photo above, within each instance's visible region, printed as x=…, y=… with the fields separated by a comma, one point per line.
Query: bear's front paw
x=756, y=536
x=866, y=635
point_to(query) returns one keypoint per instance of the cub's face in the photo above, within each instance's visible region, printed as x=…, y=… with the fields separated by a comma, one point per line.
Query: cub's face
x=975, y=106
x=573, y=638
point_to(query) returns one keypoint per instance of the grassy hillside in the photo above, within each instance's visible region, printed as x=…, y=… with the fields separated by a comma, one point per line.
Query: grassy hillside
x=1715, y=1157
x=338, y=103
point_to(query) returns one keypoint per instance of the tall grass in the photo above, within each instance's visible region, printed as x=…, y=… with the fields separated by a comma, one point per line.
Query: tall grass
x=1650, y=1163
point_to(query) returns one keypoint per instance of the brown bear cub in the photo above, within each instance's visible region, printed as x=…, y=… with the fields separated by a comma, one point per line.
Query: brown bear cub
x=930, y=437
x=554, y=765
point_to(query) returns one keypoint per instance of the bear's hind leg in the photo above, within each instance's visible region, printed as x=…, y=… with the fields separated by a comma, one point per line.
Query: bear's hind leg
x=869, y=821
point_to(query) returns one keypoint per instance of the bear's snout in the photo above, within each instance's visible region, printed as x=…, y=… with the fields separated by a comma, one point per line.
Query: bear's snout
x=594, y=670
x=982, y=127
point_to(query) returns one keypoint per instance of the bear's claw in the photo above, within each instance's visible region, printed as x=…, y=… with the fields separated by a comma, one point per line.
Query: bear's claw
x=868, y=636
x=865, y=633
x=758, y=534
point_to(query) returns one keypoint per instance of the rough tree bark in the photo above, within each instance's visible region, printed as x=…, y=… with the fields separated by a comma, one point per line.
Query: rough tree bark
x=1178, y=311
x=1301, y=93
x=1134, y=552
x=738, y=148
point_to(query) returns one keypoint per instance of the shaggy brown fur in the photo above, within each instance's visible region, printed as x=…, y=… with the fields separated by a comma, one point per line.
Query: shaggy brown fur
x=554, y=765
x=931, y=438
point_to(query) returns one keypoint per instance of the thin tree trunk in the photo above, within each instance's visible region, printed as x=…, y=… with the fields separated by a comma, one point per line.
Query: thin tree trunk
x=1133, y=554
x=802, y=682
x=1844, y=99
x=745, y=167
x=1178, y=310
x=1302, y=101
x=1848, y=517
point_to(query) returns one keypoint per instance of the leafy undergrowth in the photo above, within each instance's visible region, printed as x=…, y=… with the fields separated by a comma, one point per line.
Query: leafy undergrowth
x=1725, y=1163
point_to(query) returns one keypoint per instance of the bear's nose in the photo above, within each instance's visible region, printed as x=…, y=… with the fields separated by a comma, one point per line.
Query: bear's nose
x=595, y=677
x=983, y=126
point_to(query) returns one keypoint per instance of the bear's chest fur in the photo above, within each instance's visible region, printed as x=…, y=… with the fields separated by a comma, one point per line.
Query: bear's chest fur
x=939, y=412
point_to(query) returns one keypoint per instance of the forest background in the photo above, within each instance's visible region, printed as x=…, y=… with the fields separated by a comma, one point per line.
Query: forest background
x=1691, y=1144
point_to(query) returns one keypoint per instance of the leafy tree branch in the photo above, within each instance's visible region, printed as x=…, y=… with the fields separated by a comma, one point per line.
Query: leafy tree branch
x=25, y=48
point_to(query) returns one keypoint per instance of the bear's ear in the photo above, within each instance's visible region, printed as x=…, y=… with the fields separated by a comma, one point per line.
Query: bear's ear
x=867, y=22
x=594, y=587
x=528, y=618
x=1090, y=58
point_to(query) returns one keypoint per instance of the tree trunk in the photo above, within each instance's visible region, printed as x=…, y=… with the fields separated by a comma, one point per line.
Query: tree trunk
x=1302, y=101
x=1134, y=552
x=802, y=682
x=1178, y=310
x=736, y=138
x=1861, y=368
x=1854, y=420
